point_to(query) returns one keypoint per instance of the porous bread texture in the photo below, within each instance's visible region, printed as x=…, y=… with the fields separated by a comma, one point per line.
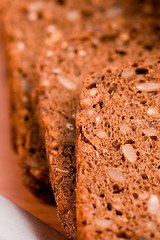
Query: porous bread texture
x=37, y=19
x=99, y=11
x=29, y=141
x=105, y=11
x=62, y=69
x=29, y=25
x=118, y=157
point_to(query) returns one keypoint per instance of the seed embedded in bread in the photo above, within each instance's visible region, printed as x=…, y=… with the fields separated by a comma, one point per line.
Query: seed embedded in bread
x=150, y=132
x=148, y=87
x=153, y=112
x=86, y=102
x=116, y=175
x=153, y=204
x=66, y=82
x=124, y=128
x=103, y=223
x=102, y=134
x=128, y=74
x=129, y=152
x=93, y=92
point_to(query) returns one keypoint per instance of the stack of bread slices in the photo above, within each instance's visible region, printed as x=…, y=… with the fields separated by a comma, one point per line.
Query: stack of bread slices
x=84, y=78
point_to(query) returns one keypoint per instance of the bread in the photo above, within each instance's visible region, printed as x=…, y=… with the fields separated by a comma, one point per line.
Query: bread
x=26, y=26
x=62, y=69
x=118, y=153
x=29, y=142
x=98, y=11
x=29, y=25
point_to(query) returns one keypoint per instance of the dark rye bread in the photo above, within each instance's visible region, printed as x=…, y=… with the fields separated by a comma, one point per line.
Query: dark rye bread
x=61, y=72
x=29, y=25
x=32, y=11
x=25, y=33
x=99, y=11
x=118, y=157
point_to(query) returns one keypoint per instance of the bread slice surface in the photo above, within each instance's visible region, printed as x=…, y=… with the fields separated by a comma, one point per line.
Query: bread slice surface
x=118, y=153
x=62, y=70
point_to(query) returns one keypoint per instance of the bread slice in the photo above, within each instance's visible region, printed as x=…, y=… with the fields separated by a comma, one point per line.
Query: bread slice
x=26, y=27
x=62, y=69
x=30, y=25
x=75, y=13
x=118, y=153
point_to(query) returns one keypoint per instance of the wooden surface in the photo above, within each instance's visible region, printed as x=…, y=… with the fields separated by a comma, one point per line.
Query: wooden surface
x=10, y=176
